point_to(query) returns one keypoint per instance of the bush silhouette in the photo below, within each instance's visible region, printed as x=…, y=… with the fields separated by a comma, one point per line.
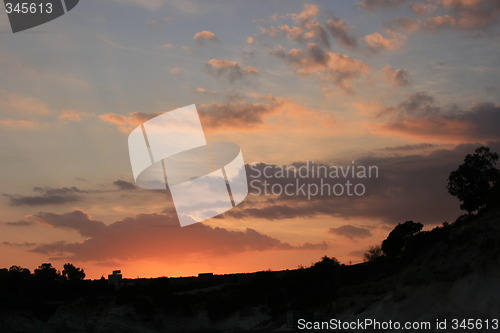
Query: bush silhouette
x=394, y=244
x=473, y=182
x=326, y=264
x=374, y=252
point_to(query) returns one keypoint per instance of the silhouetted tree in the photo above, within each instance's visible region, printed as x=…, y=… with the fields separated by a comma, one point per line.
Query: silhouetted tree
x=374, y=252
x=473, y=181
x=47, y=273
x=326, y=263
x=72, y=273
x=19, y=270
x=394, y=244
x=15, y=278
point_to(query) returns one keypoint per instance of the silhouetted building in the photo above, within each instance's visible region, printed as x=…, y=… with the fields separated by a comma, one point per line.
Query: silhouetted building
x=202, y=275
x=115, y=278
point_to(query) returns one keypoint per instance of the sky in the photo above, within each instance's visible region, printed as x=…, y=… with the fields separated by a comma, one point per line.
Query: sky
x=409, y=87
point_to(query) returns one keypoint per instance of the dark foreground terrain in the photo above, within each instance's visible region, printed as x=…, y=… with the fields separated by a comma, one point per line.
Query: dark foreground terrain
x=450, y=272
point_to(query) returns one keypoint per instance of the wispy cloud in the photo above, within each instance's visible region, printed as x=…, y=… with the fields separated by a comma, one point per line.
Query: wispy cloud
x=330, y=68
x=237, y=113
x=351, y=231
x=229, y=70
x=377, y=42
x=18, y=123
x=397, y=77
x=71, y=115
x=421, y=115
x=414, y=184
x=476, y=17
x=126, y=123
x=155, y=24
x=147, y=4
x=48, y=196
x=372, y=5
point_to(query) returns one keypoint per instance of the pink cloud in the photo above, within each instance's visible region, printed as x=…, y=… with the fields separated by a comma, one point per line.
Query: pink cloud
x=377, y=42
x=329, y=67
x=71, y=115
x=13, y=123
x=205, y=35
x=126, y=123
x=230, y=70
x=397, y=77
x=154, y=236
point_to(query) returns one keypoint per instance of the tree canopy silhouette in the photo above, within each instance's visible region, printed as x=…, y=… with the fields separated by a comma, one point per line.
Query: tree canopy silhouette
x=473, y=181
x=394, y=244
x=72, y=273
x=47, y=273
x=326, y=263
x=374, y=253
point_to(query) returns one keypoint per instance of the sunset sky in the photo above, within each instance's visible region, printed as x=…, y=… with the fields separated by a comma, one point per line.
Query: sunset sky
x=408, y=86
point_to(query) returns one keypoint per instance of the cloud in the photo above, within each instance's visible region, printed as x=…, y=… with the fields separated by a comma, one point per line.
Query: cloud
x=229, y=70
x=372, y=5
x=152, y=5
x=204, y=91
x=407, y=24
x=18, y=123
x=154, y=24
x=71, y=115
x=331, y=68
x=341, y=32
x=468, y=14
x=420, y=115
x=417, y=146
x=412, y=186
x=48, y=196
x=24, y=244
x=237, y=113
x=485, y=120
x=422, y=9
x=124, y=185
x=77, y=220
x=377, y=42
x=251, y=40
x=154, y=236
x=19, y=104
x=20, y=223
x=204, y=36
x=491, y=90
x=474, y=16
x=350, y=231
x=176, y=70
x=308, y=14
x=127, y=123
x=397, y=77
x=307, y=30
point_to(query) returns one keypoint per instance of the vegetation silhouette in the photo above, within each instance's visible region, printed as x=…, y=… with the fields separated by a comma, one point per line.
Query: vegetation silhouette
x=474, y=182
x=374, y=253
x=72, y=273
x=399, y=236
x=51, y=301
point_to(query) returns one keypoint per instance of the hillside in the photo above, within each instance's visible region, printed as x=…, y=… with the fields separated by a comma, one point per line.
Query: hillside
x=450, y=272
